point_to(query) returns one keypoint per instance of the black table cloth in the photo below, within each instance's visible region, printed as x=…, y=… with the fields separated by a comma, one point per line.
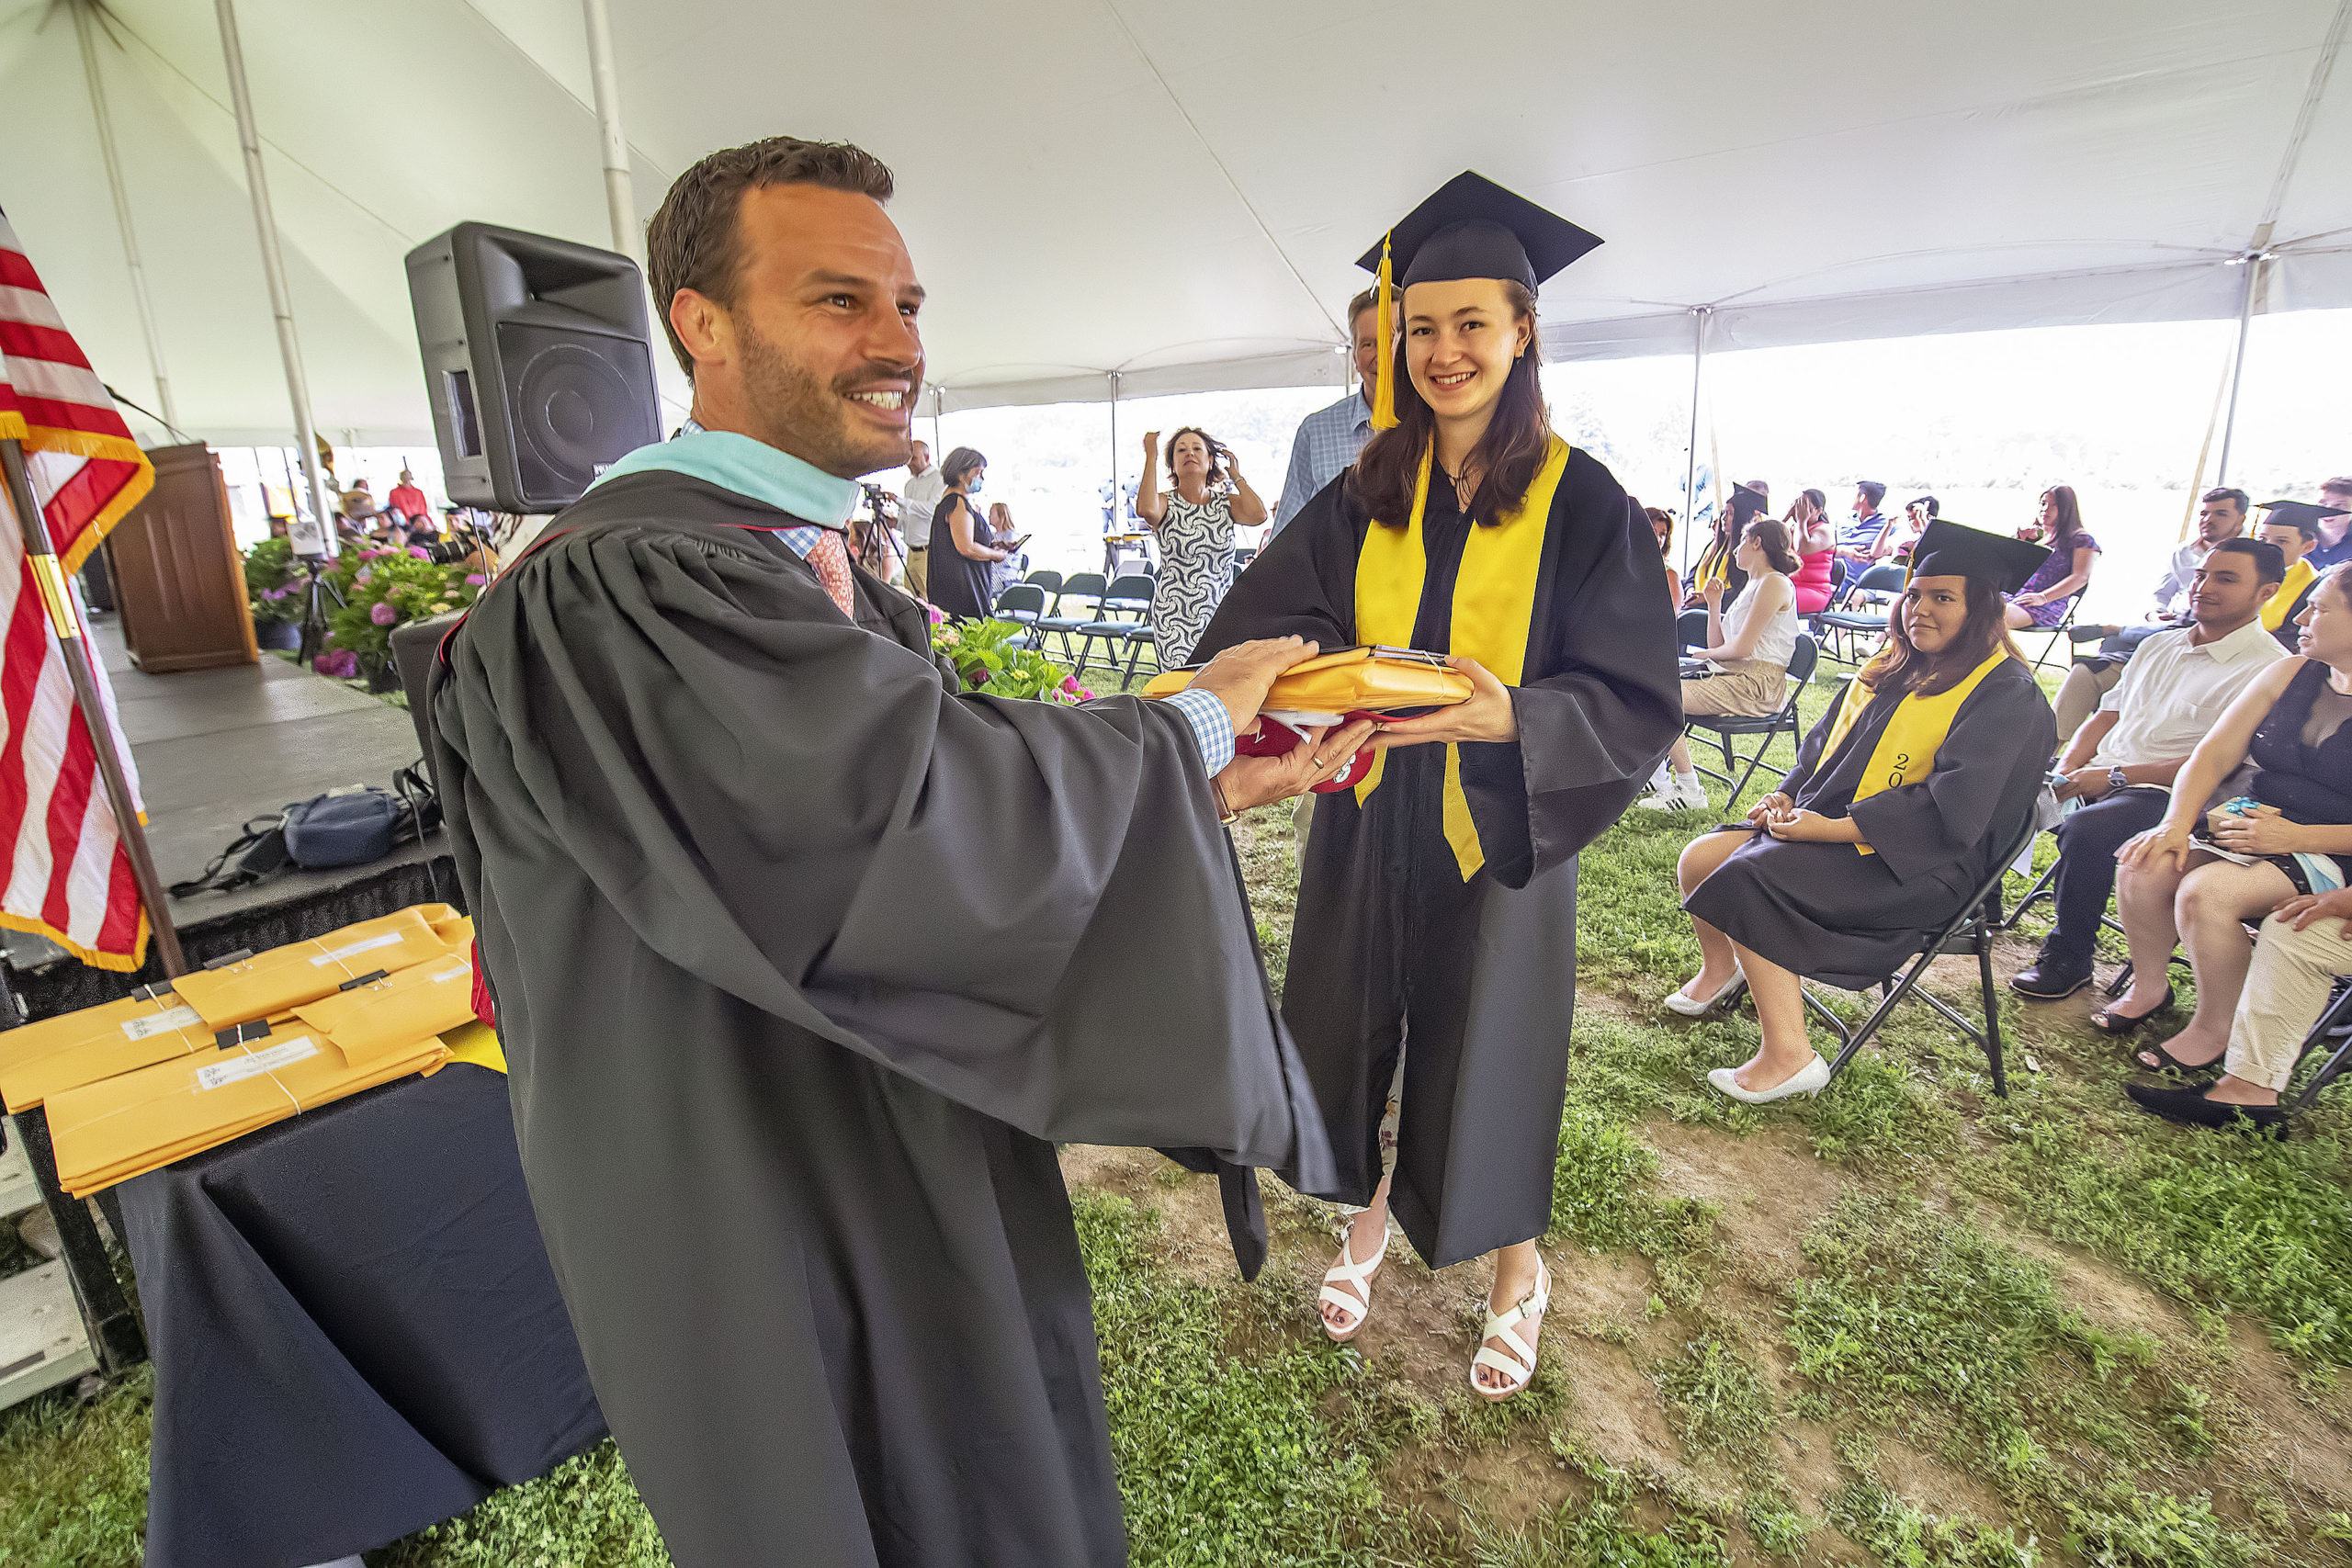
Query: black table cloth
x=355, y=1327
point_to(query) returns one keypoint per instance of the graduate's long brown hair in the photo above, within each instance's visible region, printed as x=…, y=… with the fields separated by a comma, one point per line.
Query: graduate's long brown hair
x=1899, y=666
x=1506, y=456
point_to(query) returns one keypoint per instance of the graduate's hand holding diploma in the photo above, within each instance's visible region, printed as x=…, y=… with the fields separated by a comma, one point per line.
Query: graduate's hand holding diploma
x=1320, y=756
x=1487, y=716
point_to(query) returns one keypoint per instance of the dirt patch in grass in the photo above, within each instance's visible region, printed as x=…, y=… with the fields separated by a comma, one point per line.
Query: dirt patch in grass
x=1770, y=1186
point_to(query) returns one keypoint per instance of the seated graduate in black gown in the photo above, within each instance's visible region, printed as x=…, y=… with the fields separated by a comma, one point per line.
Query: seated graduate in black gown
x=1901, y=798
x=1437, y=904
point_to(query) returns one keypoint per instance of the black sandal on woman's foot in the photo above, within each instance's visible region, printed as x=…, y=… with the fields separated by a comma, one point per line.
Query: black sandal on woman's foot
x=2107, y=1020
x=2166, y=1062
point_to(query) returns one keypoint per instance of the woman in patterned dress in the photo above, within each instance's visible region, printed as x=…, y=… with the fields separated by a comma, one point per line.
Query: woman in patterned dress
x=1194, y=523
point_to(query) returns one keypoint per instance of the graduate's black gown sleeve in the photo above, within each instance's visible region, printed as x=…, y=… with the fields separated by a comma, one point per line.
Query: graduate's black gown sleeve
x=963, y=889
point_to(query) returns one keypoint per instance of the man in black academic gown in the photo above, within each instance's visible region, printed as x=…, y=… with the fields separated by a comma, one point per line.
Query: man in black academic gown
x=801, y=959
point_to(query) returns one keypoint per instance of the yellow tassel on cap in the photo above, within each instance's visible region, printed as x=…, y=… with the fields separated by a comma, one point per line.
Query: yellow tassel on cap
x=1384, y=385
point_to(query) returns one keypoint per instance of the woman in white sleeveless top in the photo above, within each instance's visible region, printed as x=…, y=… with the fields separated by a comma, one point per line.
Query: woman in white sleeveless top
x=1748, y=649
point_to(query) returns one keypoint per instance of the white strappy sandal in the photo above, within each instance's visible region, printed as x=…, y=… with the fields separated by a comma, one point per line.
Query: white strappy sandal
x=1347, y=1271
x=1518, y=1363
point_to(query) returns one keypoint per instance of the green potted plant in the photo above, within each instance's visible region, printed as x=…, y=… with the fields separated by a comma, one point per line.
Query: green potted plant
x=988, y=656
x=275, y=591
x=383, y=587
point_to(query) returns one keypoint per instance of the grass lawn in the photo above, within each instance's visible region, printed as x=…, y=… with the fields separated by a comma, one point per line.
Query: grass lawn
x=1905, y=1323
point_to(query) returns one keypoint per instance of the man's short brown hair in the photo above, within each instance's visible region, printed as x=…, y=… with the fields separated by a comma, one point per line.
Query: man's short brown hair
x=691, y=242
x=2340, y=485
x=1367, y=301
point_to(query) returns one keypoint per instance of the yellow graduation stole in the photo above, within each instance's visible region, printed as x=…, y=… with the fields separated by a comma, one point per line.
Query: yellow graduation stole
x=2298, y=577
x=1906, y=751
x=1494, y=602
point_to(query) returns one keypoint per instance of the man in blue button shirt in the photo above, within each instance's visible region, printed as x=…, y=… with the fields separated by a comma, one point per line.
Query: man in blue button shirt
x=1330, y=438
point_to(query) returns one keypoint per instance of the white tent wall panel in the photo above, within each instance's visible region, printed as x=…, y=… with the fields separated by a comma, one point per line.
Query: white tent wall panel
x=1179, y=192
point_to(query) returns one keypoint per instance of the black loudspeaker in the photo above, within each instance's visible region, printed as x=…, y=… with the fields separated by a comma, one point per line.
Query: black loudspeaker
x=539, y=361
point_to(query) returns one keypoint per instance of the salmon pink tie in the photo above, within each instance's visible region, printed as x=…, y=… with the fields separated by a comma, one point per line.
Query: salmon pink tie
x=830, y=560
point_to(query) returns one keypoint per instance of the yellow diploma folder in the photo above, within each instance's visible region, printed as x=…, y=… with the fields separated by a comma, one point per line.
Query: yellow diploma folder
x=303, y=972
x=39, y=1059
x=1351, y=679
x=392, y=1013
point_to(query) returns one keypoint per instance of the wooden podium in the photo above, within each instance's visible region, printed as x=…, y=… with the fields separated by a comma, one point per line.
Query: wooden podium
x=178, y=582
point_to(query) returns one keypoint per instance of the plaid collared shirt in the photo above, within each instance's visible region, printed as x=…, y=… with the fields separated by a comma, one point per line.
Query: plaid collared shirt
x=1327, y=441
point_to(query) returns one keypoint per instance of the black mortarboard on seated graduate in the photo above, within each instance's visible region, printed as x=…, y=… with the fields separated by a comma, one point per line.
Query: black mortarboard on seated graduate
x=1947, y=548
x=1747, y=503
x=1470, y=228
x=2301, y=515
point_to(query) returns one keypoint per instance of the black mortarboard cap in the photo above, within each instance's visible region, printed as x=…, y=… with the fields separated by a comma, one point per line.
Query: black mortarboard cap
x=2301, y=515
x=1474, y=228
x=1947, y=548
x=1747, y=501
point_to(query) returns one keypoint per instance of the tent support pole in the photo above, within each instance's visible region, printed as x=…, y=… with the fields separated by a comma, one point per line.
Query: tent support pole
x=1691, y=465
x=2254, y=261
x=1112, y=524
x=113, y=160
x=273, y=266
x=620, y=196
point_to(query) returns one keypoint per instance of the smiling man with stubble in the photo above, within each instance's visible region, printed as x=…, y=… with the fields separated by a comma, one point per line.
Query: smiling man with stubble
x=804, y=958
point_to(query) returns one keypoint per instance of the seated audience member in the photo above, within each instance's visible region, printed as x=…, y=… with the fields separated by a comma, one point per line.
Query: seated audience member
x=1662, y=525
x=2335, y=546
x=1897, y=542
x=1858, y=540
x=1815, y=544
x=1901, y=803
x=2041, y=603
x=2293, y=527
x=2121, y=762
x=2220, y=515
x=1004, y=536
x=2304, y=947
x=2196, y=877
x=1719, y=561
x=1747, y=651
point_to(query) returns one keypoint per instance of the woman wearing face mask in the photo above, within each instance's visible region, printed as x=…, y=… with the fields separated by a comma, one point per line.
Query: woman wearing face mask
x=961, y=573
x=1436, y=918
x=1195, y=522
x=1901, y=798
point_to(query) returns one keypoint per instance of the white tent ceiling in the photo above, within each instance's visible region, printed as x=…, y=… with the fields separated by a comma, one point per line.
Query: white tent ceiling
x=1177, y=192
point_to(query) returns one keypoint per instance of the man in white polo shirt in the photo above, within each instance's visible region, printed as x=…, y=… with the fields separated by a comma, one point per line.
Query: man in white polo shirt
x=2121, y=762
x=924, y=487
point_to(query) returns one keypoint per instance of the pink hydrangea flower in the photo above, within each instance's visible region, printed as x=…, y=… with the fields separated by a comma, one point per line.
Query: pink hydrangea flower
x=1069, y=682
x=339, y=662
x=475, y=580
x=1084, y=695
x=382, y=612
x=420, y=552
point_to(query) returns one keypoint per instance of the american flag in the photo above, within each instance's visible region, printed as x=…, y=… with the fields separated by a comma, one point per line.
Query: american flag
x=67, y=876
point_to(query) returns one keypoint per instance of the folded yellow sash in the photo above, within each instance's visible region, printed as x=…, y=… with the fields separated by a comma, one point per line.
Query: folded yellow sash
x=1494, y=604
x=303, y=972
x=1906, y=751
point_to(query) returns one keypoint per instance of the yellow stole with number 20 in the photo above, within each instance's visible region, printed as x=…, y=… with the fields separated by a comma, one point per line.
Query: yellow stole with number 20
x=1494, y=602
x=1906, y=751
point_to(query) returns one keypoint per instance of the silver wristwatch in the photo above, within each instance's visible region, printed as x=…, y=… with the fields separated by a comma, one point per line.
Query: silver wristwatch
x=2115, y=779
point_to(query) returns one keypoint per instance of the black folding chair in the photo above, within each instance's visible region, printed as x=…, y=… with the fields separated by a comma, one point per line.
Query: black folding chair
x=1124, y=622
x=2335, y=1024
x=1784, y=720
x=1850, y=619
x=1970, y=931
x=2063, y=632
x=1051, y=581
x=1078, y=601
x=1021, y=604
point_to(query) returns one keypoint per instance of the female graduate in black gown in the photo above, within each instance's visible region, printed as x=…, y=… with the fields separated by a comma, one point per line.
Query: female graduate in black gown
x=1437, y=900
x=1903, y=798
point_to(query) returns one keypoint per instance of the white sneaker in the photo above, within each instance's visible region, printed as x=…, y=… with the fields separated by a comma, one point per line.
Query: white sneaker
x=1811, y=1078
x=1679, y=797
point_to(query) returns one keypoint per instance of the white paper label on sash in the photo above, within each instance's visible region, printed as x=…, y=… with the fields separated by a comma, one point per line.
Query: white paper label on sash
x=337, y=954
x=260, y=1062
x=454, y=970
x=164, y=1023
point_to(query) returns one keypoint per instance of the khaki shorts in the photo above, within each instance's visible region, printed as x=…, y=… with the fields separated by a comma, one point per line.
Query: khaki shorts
x=1747, y=688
